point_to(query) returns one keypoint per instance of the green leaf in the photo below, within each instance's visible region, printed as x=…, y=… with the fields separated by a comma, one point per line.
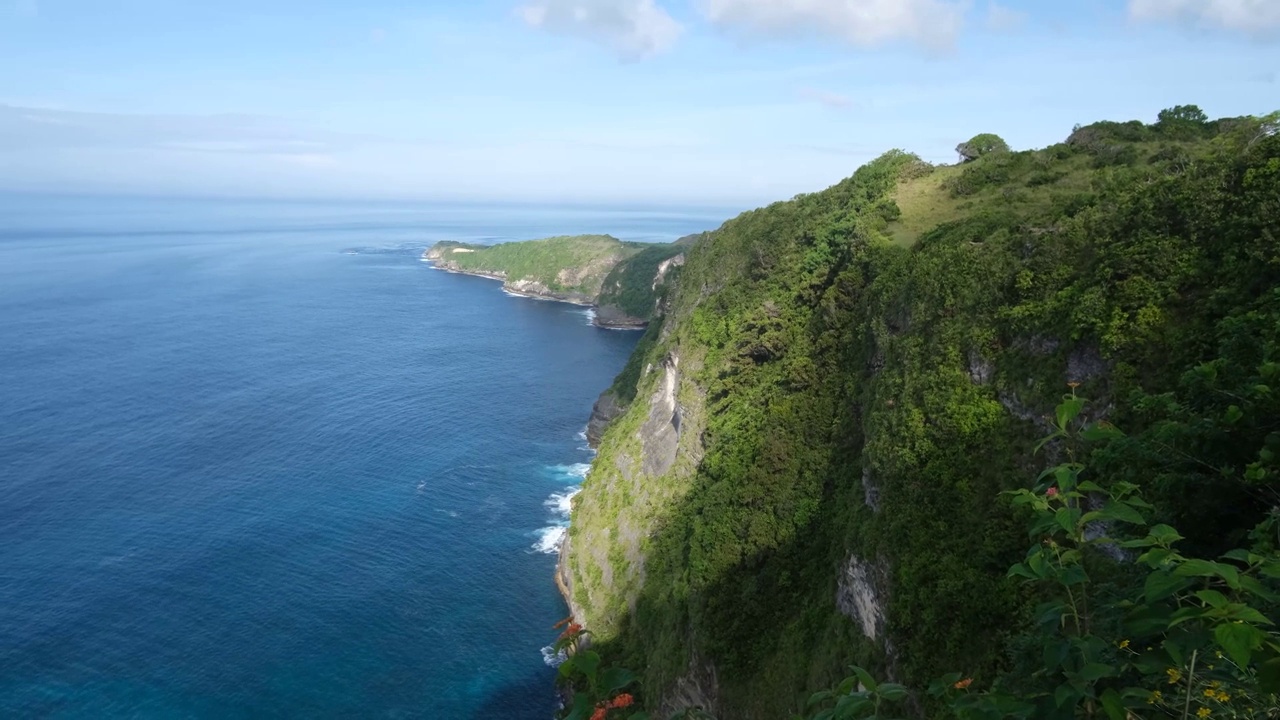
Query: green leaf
x=1238, y=640
x=1066, y=519
x=1072, y=575
x=1254, y=587
x=1206, y=568
x=1244, y=613
x=1122, y=512
x=1233, y=415
x=615, y=679
x=1163, y=535
x=892, y=692
x=819, y=697
x=1065, y=476
x=1063, y=695
x=1099, y=431
x=1269, y=676
x=1068, y=410
x=1156, y=557
x=1055, y=653
x=1021, y=570
x=849, y=705
x=1037, y=565
x=1183, y=614
x=1240, y=555
x=1050, y=613
x=1160, y=585
x=1113, y=705
x=1096, y=671
x=1213, y=598
x=865, y=678
x=582, y=707
x=568, y=668
x=588, y=664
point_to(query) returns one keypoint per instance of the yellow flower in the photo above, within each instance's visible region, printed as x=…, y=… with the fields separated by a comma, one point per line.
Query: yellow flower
x=1218, y=653
x=1155, y=698
x=1210, y=693
x=1174, y=675
x=1223, y=697
x=1124, y=644
x=1215, y=684
x=1202, y=712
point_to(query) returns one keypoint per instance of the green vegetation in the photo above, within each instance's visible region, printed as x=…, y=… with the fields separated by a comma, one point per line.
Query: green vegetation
x=634, y=287
x=981, y=145
x=1128, y=625
x=575, y=265
x=1115, y=634
x=626, y=281
x=860, y=373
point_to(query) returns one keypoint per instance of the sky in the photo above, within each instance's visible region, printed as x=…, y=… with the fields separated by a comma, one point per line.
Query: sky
x=694, y=102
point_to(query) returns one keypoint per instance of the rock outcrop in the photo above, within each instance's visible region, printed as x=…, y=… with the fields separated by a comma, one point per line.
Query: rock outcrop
x=606, y=410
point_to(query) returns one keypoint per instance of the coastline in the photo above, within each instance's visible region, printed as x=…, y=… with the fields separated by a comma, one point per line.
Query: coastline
x=510, y=289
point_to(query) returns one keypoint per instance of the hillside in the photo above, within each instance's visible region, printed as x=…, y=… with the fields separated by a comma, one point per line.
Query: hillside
x=804, y=458
x=625, y=282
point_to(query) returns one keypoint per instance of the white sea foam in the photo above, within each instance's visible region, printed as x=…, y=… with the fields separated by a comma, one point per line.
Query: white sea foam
x=576, y=472
x=589, y=314
x=549, y=539
x=562, y=503
x=582, y=434
x=553, y=658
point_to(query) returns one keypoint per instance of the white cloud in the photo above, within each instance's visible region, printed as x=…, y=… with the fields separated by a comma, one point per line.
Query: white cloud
x=1003, y=19
x=835, y=101
x=635, y=29
x=1252, y=17
x=933, y=24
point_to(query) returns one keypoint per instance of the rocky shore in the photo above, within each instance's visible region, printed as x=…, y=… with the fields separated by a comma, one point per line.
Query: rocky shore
x=606, y=317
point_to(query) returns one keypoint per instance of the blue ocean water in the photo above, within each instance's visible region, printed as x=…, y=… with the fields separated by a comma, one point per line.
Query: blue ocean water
x=258, y=460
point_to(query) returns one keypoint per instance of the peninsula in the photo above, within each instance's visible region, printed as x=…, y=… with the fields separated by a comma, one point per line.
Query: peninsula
x=625, y=282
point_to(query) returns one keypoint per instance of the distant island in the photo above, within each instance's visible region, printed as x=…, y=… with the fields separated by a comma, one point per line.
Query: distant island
x=625, y=282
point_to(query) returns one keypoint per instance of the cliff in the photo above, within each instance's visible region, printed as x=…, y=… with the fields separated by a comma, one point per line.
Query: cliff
x=799, y=467
x=624, y=282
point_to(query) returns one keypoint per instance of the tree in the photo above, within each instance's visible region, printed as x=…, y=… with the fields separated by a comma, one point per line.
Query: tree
x=980, y=145
x=1183, y=121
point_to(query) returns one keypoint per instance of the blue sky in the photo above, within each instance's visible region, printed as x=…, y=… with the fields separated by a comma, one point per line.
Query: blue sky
x=674, y=101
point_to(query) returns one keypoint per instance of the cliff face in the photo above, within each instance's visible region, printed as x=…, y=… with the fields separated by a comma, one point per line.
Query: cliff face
x=624, y=282
x=843, y=384
x=569, y=274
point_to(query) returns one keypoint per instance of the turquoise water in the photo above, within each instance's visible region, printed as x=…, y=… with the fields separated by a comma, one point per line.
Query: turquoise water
x=258, y=460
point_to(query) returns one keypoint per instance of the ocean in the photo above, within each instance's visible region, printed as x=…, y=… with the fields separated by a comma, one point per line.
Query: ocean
x=257, y=459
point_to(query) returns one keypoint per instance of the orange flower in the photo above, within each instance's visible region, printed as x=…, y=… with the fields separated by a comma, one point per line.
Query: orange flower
x=1073, y=385
x=964, y=684
x=573, y=629
x=600, y=713
x=562, y=623
x=623, y=700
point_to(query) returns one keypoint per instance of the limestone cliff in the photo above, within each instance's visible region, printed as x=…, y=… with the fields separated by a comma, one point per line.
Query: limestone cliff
x=801, y=467
x=624, y=282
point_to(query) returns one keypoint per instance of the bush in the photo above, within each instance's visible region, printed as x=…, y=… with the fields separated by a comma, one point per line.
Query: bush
x=981, y=145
